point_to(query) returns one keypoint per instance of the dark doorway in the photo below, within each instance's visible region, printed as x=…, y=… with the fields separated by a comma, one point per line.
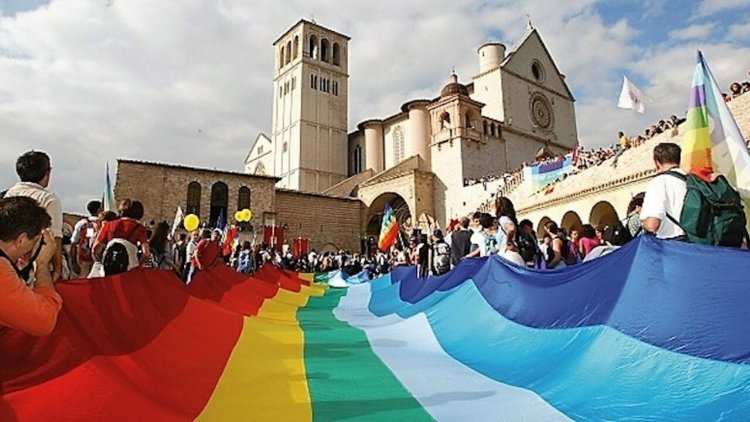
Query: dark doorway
x=219, y=202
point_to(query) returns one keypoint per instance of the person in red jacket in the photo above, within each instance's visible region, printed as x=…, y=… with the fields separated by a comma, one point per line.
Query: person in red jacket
x=207, y=253
x=24, y=230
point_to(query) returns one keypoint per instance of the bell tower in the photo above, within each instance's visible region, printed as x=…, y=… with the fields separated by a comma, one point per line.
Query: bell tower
x=310, y=107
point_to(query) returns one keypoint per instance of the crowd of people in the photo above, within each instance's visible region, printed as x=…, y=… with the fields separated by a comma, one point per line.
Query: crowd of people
x=736, y=89
x=35, y=253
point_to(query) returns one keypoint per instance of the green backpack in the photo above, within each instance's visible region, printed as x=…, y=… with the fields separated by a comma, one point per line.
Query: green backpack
x=712, y=213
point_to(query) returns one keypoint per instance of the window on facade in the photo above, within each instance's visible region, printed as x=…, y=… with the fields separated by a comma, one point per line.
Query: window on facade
x=193, y=199
x=357, y=159
x=324, y=50
x=281, y=91
x=243, y=198
x=260, y=149
x=445, y=120
x=288, y=52
x=282, y=56
x=538, y=71
x=313, y=48
x=296, y=46
x=294, y=80
x=285, y=147
x=336, y=54
x=398, y=145
x=315, y=82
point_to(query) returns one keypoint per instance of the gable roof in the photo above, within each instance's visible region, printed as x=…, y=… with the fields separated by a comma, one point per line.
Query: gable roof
x=255, y=142
x=527, y=37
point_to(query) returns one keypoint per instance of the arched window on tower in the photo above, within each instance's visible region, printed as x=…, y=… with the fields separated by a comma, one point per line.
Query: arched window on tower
x=193, y=205
x=469, y=122
x=324, y=50
x=398, y=145
x=445, y=120
x=492, y=130
x=288, y=52
x=296, y=47
x=282, y=55
x=484, y=127
x=336, y=54
x=313, y=48
x=243, y=198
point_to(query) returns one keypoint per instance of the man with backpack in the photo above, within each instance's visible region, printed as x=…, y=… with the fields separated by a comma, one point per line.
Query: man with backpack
x=665, y=194
x=82, y=240
x=690, y=208
x=441, y=254
x=687, y=207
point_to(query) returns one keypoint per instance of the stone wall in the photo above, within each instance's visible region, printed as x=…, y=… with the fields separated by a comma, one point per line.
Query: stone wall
x=163, y=187
x=329, y=222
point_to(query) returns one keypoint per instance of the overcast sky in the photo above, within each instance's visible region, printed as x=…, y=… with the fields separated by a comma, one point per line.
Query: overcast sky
x=190, y=81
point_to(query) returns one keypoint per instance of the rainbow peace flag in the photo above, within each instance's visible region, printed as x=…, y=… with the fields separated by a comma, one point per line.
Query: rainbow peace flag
x=542, y=175
x=649, y=332
x=713, y=141
x=388, y=229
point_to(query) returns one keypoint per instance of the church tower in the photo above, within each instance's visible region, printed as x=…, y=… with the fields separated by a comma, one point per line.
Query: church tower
x=310, y=107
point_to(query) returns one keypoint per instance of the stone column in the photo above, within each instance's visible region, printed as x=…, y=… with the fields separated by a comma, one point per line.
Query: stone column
x=419, y=134
x=374, y=144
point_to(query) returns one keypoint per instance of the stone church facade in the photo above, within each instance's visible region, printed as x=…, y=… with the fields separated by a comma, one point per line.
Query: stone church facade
x=417, y=158
x=317, y=180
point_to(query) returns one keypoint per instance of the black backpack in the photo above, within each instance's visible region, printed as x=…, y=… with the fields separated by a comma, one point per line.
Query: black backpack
x=526, y=245
x=115, y=259
x=620, y=234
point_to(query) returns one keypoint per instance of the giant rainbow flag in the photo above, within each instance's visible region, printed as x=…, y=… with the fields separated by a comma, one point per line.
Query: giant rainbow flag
x=656, y=330
x=541, y=175
x=713, y=141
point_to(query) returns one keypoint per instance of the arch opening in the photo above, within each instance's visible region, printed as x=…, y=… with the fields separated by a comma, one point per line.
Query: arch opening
x=219, y=202
x=376, y=210
x=193, y=198
x=571, y=221
x=603, y=214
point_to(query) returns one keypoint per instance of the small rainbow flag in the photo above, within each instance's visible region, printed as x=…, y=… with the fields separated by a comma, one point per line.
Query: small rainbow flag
x=713, y=141
x=388, y=230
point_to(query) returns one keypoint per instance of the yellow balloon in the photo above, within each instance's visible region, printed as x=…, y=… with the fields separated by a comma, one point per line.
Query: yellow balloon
x=238, y=216
x=247, y=215
x=191, y=222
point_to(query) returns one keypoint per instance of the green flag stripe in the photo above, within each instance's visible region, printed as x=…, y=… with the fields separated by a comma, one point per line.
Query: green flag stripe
x=347, y=381
x=696, y=118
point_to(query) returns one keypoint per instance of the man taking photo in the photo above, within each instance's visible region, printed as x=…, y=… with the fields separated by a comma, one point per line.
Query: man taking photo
x=24, y=228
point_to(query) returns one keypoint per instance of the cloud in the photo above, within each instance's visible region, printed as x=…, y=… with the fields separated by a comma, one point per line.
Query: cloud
x=710, y=7
x=692, y=32
x=191, y=82
x=739, y=32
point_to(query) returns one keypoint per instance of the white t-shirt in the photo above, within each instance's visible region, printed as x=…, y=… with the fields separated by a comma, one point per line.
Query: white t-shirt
x=48, y=200
x=665, y=195
x=477, y=238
